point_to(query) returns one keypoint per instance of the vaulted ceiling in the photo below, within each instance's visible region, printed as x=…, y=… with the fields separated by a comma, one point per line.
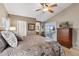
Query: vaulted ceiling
x=28, y=10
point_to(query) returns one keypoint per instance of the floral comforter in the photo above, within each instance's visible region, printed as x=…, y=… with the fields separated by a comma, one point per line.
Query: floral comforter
x=34, y=45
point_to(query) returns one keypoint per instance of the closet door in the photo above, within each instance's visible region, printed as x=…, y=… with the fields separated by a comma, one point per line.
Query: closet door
x=22, y=28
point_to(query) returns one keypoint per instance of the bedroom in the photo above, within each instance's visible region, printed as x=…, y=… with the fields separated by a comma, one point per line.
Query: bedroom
x=38, y=29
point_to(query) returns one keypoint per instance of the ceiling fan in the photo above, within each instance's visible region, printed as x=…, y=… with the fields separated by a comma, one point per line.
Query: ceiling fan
x=47, y=7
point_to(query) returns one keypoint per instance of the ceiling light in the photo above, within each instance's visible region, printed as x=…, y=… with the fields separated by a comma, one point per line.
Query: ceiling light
x=45, y=9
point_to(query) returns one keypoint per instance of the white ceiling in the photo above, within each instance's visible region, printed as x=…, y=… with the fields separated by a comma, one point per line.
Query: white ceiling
x=28, y=10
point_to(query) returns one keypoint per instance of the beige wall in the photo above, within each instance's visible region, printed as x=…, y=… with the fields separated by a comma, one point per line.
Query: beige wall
x=70, y=14
x=13, y=19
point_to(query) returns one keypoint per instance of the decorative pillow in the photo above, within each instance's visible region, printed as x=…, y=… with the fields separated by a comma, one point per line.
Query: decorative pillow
x=19, y=37
x=3, y=43
x=10, y=38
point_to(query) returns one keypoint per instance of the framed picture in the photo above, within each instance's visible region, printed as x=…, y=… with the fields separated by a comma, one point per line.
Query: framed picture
x=31, y=26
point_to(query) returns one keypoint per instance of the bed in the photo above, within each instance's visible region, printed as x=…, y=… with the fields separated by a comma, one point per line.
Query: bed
x=34, y=45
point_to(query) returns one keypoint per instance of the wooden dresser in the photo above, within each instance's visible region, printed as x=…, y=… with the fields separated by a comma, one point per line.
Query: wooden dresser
x=64, y=37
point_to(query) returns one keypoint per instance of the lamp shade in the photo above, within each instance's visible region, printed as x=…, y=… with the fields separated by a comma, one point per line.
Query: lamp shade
x=13, y=28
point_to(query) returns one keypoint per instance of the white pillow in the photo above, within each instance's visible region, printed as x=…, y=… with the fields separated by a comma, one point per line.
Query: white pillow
x=10, y=38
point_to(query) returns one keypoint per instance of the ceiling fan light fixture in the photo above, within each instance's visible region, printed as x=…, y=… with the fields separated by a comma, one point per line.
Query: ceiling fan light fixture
x=46, y=9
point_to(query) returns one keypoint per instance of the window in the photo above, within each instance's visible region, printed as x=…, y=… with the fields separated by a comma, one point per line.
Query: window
x=50, y=31
x=38, y=27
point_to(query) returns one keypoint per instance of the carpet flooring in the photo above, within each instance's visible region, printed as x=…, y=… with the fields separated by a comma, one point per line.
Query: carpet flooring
x=71, y=51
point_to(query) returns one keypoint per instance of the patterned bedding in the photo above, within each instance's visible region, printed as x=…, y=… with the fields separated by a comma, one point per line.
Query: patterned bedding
x=34, y=45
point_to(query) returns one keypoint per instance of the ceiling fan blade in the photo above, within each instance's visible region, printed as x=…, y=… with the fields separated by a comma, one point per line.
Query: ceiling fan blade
x=42, y=4
x=38, y=10
x=51, y=11
x=46, y=5
x=53, y=5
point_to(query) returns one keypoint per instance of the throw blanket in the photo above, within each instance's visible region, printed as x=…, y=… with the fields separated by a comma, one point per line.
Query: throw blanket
x=34, y=46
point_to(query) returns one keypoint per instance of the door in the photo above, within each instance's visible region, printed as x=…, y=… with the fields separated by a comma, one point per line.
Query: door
x=22, y=28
